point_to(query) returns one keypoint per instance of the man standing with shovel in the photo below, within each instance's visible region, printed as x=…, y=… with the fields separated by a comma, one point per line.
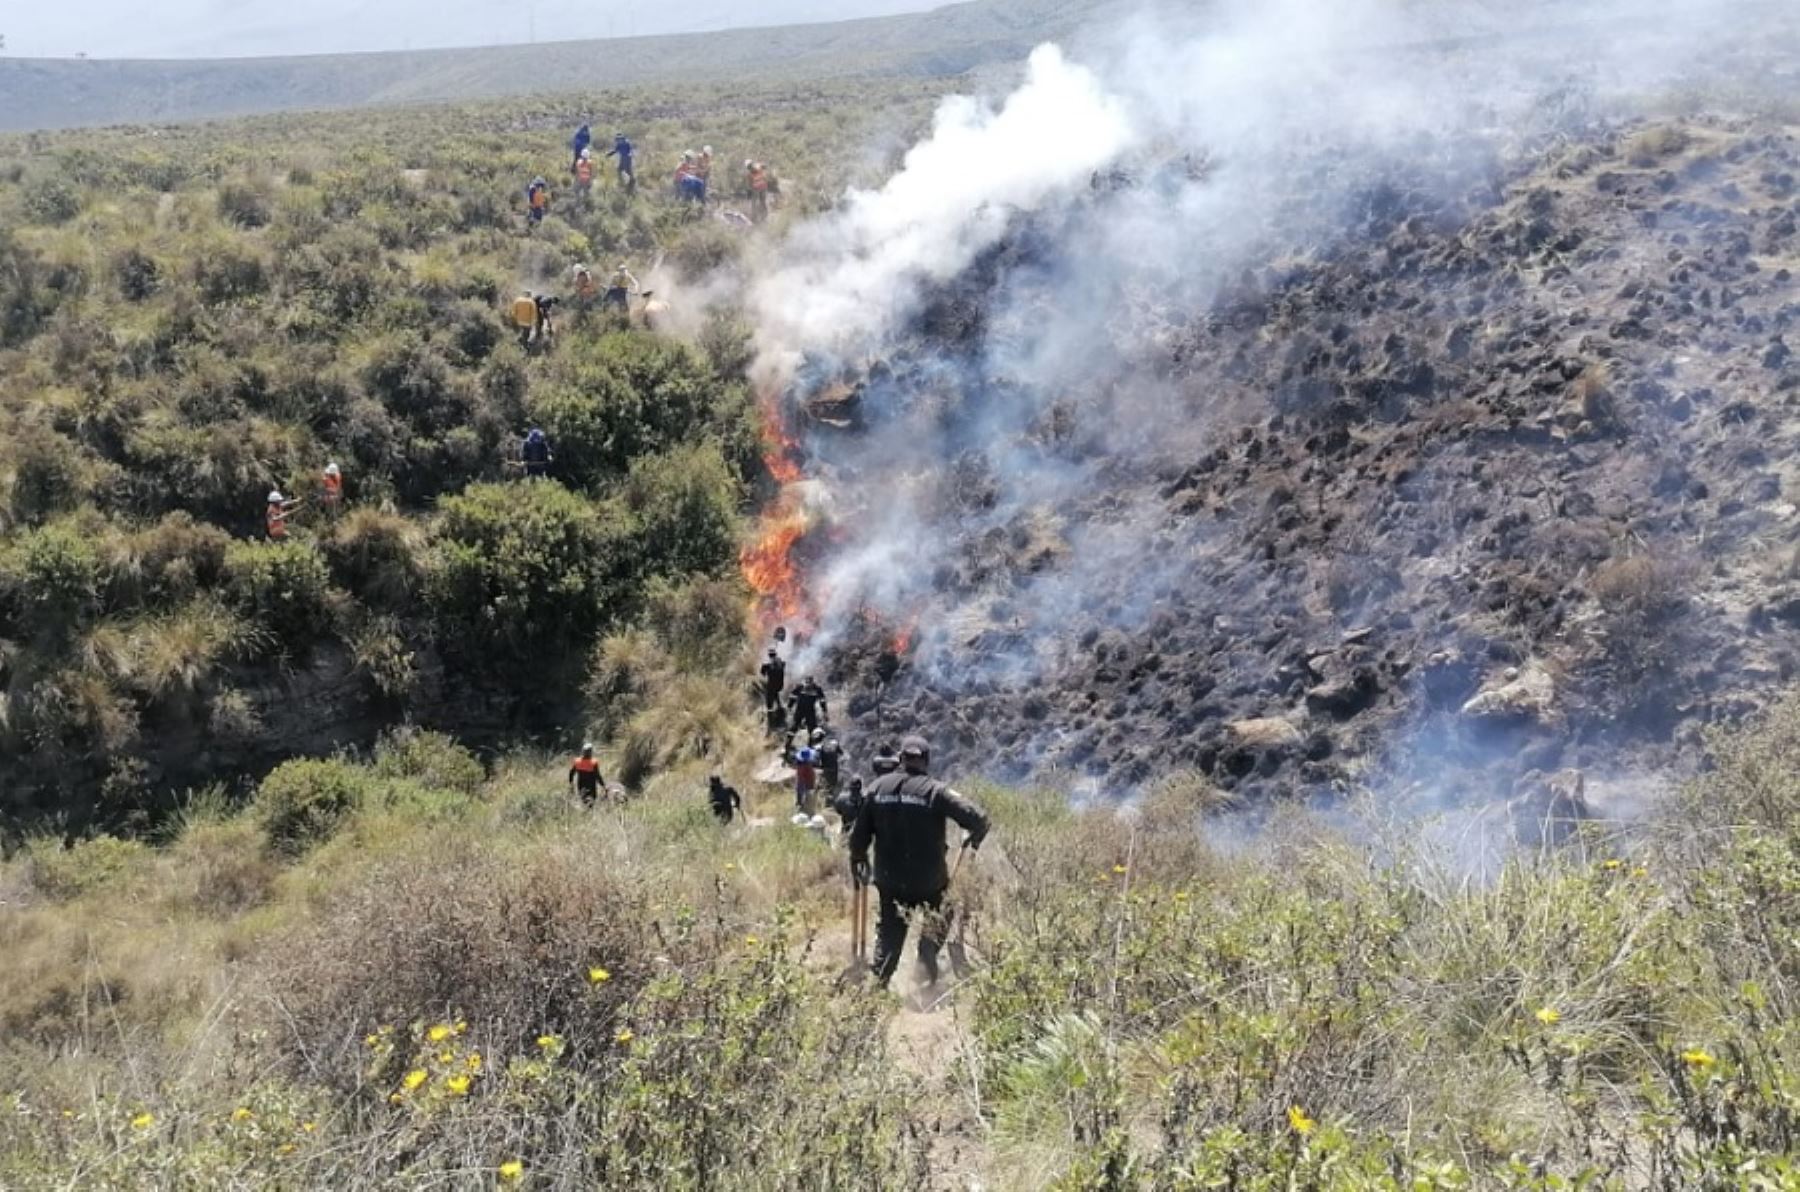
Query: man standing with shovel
x=903, y=815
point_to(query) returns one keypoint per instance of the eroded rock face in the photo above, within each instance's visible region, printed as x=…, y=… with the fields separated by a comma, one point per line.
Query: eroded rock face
x=1542, y=430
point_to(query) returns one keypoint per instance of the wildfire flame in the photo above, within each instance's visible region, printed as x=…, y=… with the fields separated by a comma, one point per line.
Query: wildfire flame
x=768, y=563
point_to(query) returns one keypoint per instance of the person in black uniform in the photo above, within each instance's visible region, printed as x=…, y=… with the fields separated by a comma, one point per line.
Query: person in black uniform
x=902, y=816
x=725, y=800
x=808, y=703
x=774, y=677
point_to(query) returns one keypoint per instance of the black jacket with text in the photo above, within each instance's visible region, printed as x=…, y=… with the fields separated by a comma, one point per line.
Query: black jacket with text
x=903, y=815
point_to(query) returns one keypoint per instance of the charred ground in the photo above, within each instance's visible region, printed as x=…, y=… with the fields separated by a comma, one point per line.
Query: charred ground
x=1502, y=481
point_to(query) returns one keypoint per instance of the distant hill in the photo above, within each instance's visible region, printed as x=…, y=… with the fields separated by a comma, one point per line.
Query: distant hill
x=69, y=93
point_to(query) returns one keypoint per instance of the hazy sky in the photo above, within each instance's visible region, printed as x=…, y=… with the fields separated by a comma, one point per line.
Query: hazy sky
x=226, y=28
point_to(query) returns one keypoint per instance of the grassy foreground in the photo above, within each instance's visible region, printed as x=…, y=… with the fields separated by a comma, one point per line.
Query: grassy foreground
x=404, y=972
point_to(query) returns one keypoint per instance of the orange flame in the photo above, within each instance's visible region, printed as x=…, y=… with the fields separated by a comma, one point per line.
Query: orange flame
x=768, y=563
x=902, y=641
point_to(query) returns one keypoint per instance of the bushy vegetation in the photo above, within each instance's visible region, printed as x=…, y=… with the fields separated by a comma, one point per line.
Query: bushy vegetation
x=408, y=972
x=192, y=318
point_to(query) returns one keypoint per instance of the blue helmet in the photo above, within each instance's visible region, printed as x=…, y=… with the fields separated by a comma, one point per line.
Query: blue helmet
x=806, y=757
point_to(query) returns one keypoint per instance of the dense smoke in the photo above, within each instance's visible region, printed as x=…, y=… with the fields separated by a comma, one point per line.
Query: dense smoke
x=1158, y=168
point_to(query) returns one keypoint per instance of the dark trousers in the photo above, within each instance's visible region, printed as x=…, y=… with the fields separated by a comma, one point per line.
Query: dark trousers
x=771, y=698
x=589, y=792
x=890, y=931
x=722, y=811
x=806, y=716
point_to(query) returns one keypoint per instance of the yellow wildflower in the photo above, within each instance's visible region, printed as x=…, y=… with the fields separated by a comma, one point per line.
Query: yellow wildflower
x=1299, y=1122
x=395, y=1098
x=473, y=1063
x=1640, y=871
x=309, y=1127
x=624, y=1036
x=730, y=865
x=1698, y=1059
x=598, y=976
x=241, y=1114
x=752, y=941
x=1612, y=863
x=143, y=1121
x=438, y=1033
x=1181, y=896
x=1549, y=1016
x=546, y=1042
x=446, y=1056
x=286, y=1148
x=512, y=1171
x=461, y=1027
x=1118, y=869
x=415, y=1078
x=371, y=1040
x=458, y=1085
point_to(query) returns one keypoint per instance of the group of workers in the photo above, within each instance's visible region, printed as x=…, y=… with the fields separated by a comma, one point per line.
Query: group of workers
x=280, y=509
x=898, y=818
x=692, y=182
x=581, y=171
x=534, y=314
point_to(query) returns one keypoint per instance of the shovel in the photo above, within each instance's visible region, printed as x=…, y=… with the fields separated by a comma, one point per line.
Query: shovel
x=858, y=968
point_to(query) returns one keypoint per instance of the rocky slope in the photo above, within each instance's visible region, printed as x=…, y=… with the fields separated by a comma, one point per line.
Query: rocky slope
x=1502, y=487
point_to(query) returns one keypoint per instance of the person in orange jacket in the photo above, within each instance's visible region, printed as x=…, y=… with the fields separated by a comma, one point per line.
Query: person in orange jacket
x=333, y=489
x=275, y=517
x=584, y=776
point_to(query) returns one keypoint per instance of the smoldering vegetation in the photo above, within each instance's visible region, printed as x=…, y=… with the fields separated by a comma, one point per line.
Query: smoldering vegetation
x=1314, y=398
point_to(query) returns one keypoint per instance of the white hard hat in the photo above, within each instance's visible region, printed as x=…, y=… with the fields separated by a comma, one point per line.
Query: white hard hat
x=331, y=469
x=587, y=747
x=749, y=164
x=274, y=495
x=706, y=149
x=800, y=819
x=817, y=821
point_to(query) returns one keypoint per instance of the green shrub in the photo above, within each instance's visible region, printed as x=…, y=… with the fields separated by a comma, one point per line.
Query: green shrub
x=431, y=758
x=525, y=570
x=52, y=201
x=301, y=803
x=284, y=588
x=64, y=872
x=610, y=400
x=46, y=474
x=686, y=504
x=51, y=576
x=244, y=205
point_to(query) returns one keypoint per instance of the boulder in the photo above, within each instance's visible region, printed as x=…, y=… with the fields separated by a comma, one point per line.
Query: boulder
x=1265, y=732
x=1527, y=695
x=1344, y=696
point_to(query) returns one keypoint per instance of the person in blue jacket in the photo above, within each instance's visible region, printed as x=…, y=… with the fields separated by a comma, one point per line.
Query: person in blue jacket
x=622, y=149
x=581, y=140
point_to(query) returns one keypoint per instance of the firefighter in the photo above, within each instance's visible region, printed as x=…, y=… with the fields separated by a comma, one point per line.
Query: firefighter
x=902, y=817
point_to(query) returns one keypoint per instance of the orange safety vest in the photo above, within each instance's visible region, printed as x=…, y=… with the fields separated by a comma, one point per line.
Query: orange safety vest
x=586, y=765
x=524, y=311
x=584, y=171
x=334, y=487
x=540, y=198
x=277, y=520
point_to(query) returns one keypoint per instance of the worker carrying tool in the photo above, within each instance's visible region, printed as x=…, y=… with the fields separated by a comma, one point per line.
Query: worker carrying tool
x=902, y=818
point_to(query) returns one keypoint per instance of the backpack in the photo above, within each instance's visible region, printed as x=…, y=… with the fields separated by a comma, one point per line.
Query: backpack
x=524, y=311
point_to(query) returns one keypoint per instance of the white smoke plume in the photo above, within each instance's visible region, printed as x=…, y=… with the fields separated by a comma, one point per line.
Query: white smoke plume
x=1150, y=167
x=849, y=280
